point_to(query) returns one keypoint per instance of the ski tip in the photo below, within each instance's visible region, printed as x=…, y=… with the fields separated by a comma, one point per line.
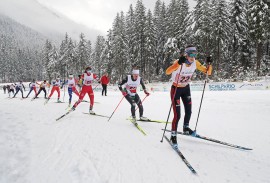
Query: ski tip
x=245, y=148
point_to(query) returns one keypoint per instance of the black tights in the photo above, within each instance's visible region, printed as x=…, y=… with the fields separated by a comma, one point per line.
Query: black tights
x=184, y=94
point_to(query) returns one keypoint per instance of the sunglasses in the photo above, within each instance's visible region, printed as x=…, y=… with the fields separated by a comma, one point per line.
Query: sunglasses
x=191, y=54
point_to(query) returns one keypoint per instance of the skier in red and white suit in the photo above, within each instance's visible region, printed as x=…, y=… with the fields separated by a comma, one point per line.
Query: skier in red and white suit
x=56, y=87
x=87, y=79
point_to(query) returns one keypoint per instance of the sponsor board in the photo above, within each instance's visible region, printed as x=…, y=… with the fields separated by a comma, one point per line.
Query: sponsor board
x=222, y=87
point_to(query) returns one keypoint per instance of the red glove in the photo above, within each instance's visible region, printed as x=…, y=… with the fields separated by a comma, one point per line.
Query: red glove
x=146, y=93
x=124, y=93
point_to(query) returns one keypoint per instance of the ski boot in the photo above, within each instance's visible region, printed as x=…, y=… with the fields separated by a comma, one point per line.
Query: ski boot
x=133, y=119
x=174, y=140
x=91, y=111
x=142, y=118
x=187, y=130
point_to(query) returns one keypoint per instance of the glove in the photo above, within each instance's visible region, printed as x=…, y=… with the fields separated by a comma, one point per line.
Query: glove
x=146, y=93
x=124, y=93
x=181, y=60
x=99, y=82
x=209, y=60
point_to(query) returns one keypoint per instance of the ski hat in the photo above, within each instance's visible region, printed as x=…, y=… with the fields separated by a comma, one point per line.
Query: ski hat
x=135, y=71
x=190, y=49
x=71, y=76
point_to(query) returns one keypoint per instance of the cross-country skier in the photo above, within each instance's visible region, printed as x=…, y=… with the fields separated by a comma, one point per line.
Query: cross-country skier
x=87, y=79
x=42, y=87
x=56, y=87
x=130, y=93
x=71, y=87
x=182, y=71
x=19, y=87
x=32, y=87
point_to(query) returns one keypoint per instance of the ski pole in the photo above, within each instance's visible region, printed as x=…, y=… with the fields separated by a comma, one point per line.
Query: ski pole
x=142, y=101
x=116, y=108
x=206, y=77
x=95, y=86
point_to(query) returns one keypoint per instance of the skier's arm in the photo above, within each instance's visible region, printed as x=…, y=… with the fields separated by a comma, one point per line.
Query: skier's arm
x=123, y=82
x=142, y=83
x=172, y=68
x=204, y=69
x=144, y=88
x=64, y=83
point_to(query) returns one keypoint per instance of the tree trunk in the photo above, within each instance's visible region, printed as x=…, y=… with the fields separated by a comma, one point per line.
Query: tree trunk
x=259, y=57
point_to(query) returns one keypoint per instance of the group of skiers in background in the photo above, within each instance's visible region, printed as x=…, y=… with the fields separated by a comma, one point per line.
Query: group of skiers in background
x=181, y=71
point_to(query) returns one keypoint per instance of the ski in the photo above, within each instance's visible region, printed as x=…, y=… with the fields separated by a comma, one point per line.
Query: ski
x=100, y=115
x=64, y=115
x=46, y=101
x=151, y=121
x=176, y=149
x=212, y=140
x=59, y=102
x=138, y=127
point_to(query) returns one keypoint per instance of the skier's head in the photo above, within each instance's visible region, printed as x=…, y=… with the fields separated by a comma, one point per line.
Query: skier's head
x=88, y=70
x=57, y=79
x=191, y=53
x=33, y=80
x=70, y=76
x=135, y=73
x=44, y=81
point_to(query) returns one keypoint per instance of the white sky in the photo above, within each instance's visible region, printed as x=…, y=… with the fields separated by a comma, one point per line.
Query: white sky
x=97, y=14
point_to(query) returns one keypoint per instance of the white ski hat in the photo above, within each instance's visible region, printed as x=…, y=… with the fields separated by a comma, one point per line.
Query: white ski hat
x=136, y=72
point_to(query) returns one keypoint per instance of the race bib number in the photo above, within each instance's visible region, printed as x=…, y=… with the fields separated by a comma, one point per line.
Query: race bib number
x=182, y=79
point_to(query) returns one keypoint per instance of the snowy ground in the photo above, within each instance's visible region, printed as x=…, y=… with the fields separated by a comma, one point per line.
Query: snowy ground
x=34, y=148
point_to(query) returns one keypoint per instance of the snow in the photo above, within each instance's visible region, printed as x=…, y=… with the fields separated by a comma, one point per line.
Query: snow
x=82, y=148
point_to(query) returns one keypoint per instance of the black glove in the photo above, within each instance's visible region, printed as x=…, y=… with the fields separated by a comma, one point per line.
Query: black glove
x=209, y=60
x=181, y=60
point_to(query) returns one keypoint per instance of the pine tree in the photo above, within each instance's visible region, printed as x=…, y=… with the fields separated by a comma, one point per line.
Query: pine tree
x=150, y=46
x=221, y=34
x=50, y=60
x=99, y=55
x=160, y=31
x=139, y=20
x=257, y=13
x=119, y=46
x=82, y=54
x=239, y=50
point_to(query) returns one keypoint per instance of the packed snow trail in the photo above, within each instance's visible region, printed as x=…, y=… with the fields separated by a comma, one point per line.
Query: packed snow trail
x=86, y=148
